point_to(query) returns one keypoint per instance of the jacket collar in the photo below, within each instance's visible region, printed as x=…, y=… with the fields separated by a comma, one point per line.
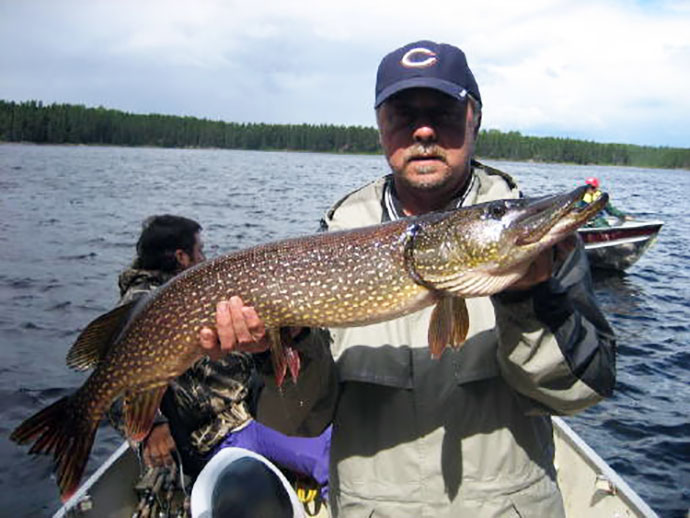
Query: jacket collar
x=393, y=210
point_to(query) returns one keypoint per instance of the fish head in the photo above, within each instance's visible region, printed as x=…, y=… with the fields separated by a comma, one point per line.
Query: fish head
x=480, y=250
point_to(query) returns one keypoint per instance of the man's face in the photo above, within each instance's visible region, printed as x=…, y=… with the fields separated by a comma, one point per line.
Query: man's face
x=198, y=250
x=428, y=138
x=185, y=260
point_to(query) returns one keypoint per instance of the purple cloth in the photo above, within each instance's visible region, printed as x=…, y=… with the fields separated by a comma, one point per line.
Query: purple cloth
x=305, y=455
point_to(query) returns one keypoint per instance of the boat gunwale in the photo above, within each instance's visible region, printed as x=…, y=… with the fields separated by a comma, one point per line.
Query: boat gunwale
x=617, y=242
x=600, y=466
x=95, y=476
x=561, y=429
x=628, y=225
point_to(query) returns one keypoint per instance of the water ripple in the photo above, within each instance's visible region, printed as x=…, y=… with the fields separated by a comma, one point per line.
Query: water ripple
x=58, y=271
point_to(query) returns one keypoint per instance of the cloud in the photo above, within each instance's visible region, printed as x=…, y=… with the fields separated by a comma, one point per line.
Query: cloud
x=609, y=71
x=603, y=70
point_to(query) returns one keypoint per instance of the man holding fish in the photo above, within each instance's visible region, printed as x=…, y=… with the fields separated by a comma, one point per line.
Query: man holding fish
x=459, y=432
x=442, y=252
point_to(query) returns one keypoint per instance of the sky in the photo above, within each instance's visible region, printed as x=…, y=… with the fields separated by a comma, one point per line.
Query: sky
x=606, y=71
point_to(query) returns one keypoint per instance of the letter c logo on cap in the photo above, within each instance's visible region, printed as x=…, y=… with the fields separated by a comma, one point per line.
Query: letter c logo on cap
x=419, y=57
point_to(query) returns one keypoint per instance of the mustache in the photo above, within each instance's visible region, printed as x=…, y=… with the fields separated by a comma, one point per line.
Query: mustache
x=417, y=151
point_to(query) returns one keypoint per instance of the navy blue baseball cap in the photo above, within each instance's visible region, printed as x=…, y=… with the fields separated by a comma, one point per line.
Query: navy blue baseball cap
x=425, y=64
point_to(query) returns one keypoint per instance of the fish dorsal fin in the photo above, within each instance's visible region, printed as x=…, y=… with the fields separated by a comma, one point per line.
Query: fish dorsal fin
x=140, y=409
x=449, y=324
x=95, y=340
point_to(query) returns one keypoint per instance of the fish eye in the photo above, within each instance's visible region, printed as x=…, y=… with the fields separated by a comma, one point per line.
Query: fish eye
x=496, y=210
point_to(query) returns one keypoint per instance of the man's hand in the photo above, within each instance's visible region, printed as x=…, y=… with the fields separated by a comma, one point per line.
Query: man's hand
x=238, y=328
x=539, y=270
x=543, y=266
x=158, y=446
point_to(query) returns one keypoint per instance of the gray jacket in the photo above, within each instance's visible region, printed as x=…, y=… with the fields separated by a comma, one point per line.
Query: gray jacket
x=468, y=434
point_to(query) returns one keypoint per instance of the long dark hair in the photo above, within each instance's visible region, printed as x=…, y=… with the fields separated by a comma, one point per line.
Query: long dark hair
x=160, y=237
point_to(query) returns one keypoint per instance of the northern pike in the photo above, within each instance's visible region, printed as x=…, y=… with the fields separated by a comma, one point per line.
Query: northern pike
x=338, y=279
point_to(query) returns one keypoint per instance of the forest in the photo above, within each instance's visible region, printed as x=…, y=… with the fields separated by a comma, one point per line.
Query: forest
x=32, y=121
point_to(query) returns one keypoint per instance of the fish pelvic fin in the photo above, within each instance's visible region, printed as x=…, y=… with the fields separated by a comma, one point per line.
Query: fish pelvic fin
x=449, y=324
x=66, y=433
x=293, y=362
x=94, y=341
x=278, y=357
x=140, y=409
x=284, y=356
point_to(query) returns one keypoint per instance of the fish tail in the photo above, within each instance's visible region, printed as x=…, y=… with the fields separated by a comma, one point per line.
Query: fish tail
x=66, y=433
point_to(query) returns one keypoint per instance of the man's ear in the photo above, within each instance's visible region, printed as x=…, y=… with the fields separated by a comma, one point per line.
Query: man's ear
x=378, y=129
x=183, y=259
x=477, y=126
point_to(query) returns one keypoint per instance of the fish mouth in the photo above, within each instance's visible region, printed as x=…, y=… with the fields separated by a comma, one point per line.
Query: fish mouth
x=553, y=216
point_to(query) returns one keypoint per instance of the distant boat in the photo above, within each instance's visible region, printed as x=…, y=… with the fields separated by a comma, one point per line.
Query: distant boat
x=619, y=246
x=590, y=487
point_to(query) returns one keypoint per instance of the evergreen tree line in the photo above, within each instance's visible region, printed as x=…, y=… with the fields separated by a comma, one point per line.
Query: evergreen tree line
x=31, y=121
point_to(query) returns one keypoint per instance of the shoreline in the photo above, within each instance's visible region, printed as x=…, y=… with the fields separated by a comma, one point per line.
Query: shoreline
x=341, y=153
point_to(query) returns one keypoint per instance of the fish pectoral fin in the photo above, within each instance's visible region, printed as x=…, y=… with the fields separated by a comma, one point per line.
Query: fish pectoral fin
x=140, y=409
x=449, y=324
x=95, y=340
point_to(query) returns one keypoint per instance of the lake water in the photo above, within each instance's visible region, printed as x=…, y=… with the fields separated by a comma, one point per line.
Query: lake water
x=69, y=218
